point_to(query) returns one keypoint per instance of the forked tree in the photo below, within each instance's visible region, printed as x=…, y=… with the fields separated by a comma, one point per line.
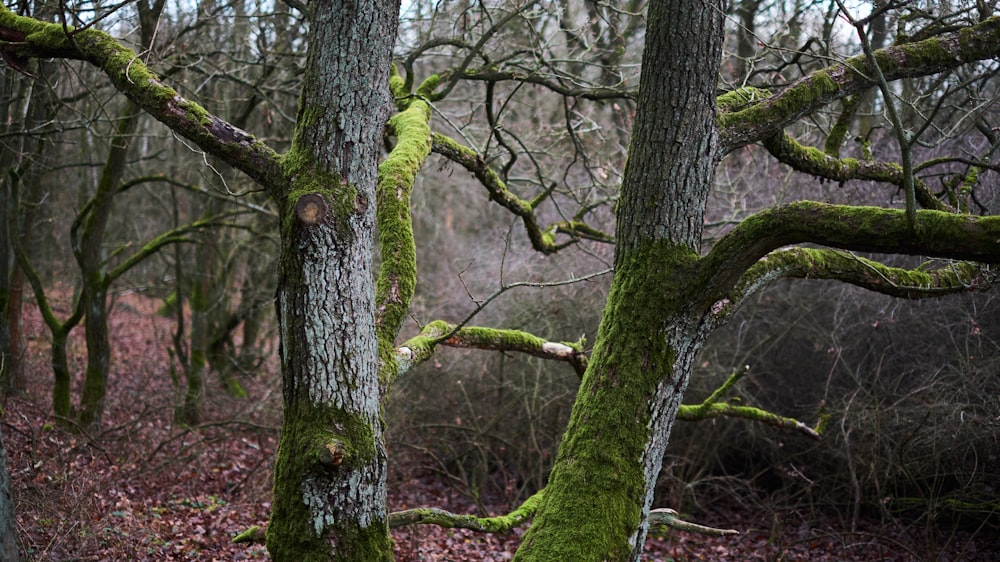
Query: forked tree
x=340, y=319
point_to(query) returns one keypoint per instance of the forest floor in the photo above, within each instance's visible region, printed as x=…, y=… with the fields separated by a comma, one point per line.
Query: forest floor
x=146, y=489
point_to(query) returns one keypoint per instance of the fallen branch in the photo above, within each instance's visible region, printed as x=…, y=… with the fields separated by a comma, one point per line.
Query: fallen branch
x=254, y=535
x=516, y=518
x=668, y=517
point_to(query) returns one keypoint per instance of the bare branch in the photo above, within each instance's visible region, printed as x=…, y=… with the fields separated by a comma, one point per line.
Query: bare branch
x=766, y=117
x=668, y=517
x=905, y=144
x=27, y=37
x=594, y=93
x=542, y=240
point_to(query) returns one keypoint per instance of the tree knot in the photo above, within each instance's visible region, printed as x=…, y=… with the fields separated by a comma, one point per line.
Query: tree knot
x=311, y=209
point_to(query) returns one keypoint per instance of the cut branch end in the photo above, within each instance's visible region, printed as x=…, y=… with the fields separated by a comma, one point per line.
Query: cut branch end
x=311, y=209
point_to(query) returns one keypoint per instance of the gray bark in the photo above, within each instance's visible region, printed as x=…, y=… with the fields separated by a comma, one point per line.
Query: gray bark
x=330, y=498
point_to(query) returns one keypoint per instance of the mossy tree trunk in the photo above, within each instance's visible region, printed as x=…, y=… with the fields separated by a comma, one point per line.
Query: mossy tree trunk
x=329, y=495
x=666, y=297
x=254, y=305
x=206, y=280
x=651, y=328
x=89, y=252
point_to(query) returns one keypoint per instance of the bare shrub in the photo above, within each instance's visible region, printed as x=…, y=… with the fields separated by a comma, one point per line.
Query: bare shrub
x=911, y=387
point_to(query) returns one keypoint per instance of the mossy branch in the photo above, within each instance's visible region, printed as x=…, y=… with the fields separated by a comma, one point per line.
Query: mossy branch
x=865, y=229
x=821, y=164
x=521, y=515
x=919, y=283
x=838, y=133
x=173, y=236
x=581, y=230
x=255, y=534
x=542, y=239
x=29, y=38
x=41, y=298
x=563, y=89
x=714, y=407
x=446, y=519
x=770, y=115
x=398, y=274
x=812, y=263
x=421, y=347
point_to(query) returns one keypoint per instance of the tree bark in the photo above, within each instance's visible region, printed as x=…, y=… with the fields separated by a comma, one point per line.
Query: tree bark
x=651, y=328
x=329, y=494
x=8, y=524
x=11, y=297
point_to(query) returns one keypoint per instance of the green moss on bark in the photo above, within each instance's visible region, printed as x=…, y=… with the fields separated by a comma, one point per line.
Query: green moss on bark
x=740, y=98
x=320, y=444
x=427, y=87
x=796, y=99
x=398, y=277
x=305, y=177
x=594, y=500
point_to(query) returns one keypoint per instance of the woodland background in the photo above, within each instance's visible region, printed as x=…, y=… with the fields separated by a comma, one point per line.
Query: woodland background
x=908, y=468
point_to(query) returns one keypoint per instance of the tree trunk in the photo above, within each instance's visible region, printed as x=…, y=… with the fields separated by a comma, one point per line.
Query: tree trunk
x=62, y=380
x=206, y=280
x=8, y=524
x=89, y=253
x=329, y=492
x=11, y=298
x=653, y=323
x=25, y=107
x=10, y=285
x=95, y=283
x=95, y=381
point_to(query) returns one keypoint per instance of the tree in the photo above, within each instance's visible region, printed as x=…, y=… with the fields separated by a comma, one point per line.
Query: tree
x=28, y=108
x=8, y=523
x=339, y=353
